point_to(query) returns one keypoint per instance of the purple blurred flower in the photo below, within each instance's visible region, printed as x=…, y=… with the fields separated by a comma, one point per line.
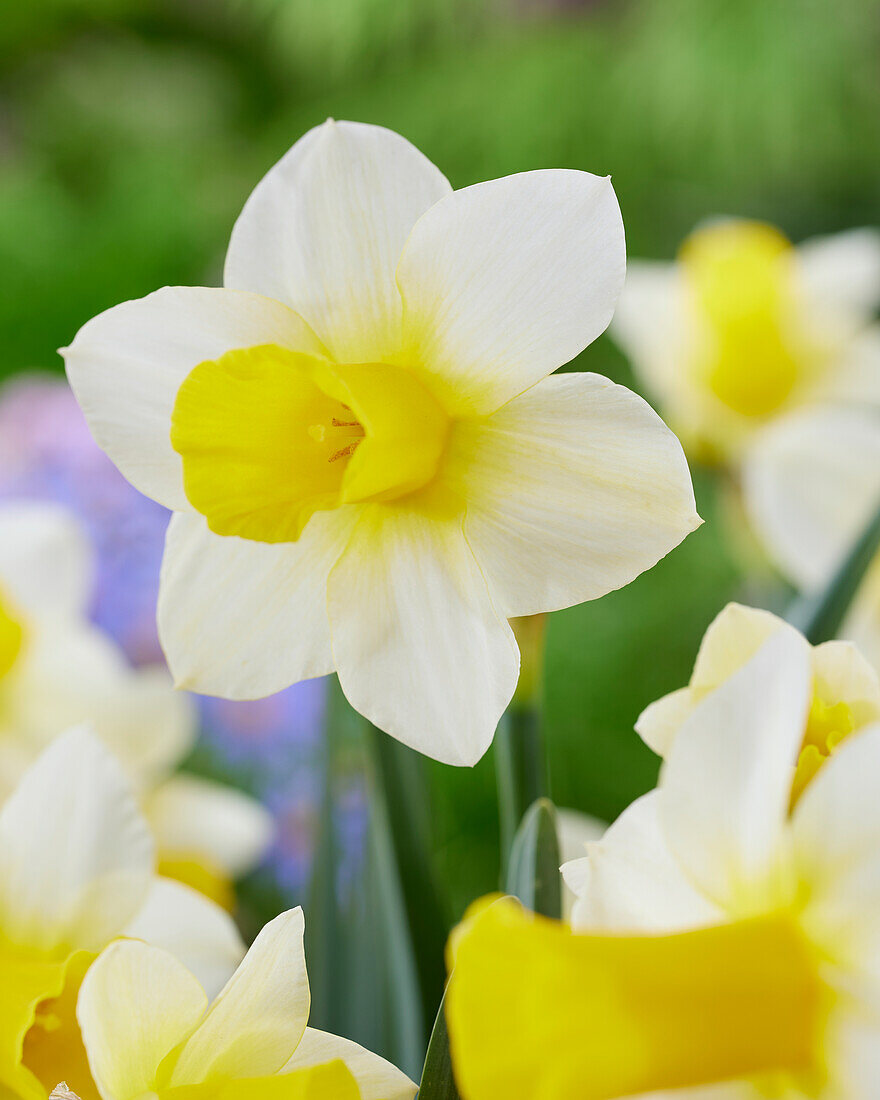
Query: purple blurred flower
x=47, y=452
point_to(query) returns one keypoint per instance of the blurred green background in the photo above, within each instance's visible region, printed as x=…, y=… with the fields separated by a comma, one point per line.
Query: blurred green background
x=133, y=130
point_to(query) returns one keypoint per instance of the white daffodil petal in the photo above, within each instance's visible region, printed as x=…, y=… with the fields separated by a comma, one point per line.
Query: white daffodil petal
x=146, y=724
x=733, y=637
x=126, y=366
x=726, y=784
x=650, y=324
x=323, y=232
x=195, y=930
x=46, y=565
x=376, y=1078
x=76, y=856
x=136, y=1004
x=659, y=723
x=630, y=880
x=842, y=270
x=419, y=647
x=573, y=489
x=841, y=673
x=257, y=1022
x=811, y=482
x=244, y=619
x=836, y=821
x=505, y=281
x=197, y=817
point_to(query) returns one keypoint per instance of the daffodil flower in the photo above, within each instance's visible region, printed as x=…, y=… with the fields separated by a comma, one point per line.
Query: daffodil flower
x=845, y=687
x=76, y=871
x=58, y=670
x=252, y=1042
x=723, y=945
x=370, y=466
x=744, y=327
x=811, y=484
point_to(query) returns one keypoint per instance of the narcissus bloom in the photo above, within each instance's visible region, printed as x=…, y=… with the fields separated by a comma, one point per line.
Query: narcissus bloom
x=744, y=327
x=252, y=1041
x=723, y=945
x=370, y=466
x=845, y=687
x=76, y=871
x=58, y=670
x=811, y=485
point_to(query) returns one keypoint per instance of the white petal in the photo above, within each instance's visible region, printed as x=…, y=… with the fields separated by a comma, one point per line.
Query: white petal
x=630, y=879
x=135, y=1005
x=324, y=228
x=72, y=673
x=195, y=930
x=46, y=565
x=126, y=365
x=419, y=647
x=196, y=817
x=726, y=783
x=76, y=857
x=840, y=672
x=576, y=832
x=651, y=326
x=256, y=1023
x=811, y=483
x=244, y=619
x=836, y=821
x=842, y=271
x=573, y=489
x=836, y=829
x=376, y=1078
x=659, y=723
x=505, y=281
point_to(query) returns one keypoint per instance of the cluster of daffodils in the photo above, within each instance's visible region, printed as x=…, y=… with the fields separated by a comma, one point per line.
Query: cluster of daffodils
x=125, y=984
x=58, y=670
x=724, y=942
x=744, y=328
x=370, y=462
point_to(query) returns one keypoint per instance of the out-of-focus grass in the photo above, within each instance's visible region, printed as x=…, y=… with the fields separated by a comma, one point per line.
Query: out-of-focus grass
x=133, y=130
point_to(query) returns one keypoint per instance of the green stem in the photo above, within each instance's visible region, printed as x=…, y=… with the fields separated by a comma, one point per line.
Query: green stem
x=520, y=769
x=401, y=810
x=821, y=616
x=520, y=761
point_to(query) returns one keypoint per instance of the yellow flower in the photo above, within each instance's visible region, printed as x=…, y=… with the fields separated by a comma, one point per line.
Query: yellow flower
x=744, y=327
x=812, y=483
x=370, y=468
x=76, y=871
x=58, y=670
x=719, y=940
x=845, y=689
x=150, y=1032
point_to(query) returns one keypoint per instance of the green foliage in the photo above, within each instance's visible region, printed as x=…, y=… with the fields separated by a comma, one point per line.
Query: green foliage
x=533, y=872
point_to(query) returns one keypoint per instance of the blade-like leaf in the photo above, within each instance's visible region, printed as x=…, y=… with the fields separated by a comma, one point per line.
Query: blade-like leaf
x=438, y=1082
x=533, y=871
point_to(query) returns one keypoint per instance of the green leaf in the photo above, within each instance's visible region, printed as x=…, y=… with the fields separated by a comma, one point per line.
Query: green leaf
x=438, y=1082
x=820, y=617
x=533, y=872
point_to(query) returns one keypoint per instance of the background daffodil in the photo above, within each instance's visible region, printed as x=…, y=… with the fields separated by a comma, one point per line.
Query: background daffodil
x=742, y=953
x=371, y=469
x=252, y=1041
x=77, y=870
x=744, y=326
x=58, y=670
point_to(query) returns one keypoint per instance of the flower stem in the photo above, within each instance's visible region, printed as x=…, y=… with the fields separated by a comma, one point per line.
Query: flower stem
x=400, y=808
x=520, y=763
